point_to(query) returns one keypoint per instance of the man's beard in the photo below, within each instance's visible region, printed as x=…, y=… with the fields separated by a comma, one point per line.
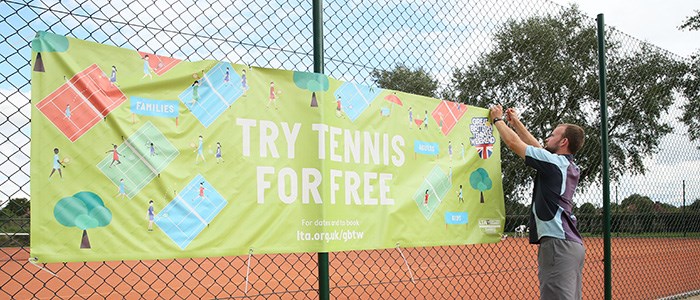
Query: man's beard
x=553, y=149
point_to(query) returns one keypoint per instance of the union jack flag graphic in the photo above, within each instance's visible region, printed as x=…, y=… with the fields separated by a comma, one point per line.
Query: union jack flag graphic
x=484, y=150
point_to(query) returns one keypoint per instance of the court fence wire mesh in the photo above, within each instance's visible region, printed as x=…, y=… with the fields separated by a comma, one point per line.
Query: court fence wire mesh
x=536, y=56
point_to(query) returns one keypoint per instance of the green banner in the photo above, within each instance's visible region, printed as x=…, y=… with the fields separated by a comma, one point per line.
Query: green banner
x=137, y=155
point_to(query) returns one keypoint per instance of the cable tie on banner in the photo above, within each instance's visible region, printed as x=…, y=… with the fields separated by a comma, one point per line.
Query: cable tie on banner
x=398, y=247
x=247, y=272
x=33, y=260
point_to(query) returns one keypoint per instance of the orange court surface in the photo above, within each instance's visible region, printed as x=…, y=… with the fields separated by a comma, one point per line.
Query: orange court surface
x=642, y=268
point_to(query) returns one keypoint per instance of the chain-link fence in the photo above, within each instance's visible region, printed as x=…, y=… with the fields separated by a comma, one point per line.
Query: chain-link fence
x=536, y=56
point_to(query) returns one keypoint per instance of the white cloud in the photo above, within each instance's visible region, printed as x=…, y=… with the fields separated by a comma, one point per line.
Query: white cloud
x=654, y=21
x=15, y=149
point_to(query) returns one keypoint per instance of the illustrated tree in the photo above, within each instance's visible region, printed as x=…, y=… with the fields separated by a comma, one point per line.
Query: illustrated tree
x=479, y=180
x=84, y=210
x=47, y=42
x=313, y=82
x=548, y=64
x=403, y=79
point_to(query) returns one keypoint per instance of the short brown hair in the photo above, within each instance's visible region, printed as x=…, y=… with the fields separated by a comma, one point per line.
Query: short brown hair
x=575, y=135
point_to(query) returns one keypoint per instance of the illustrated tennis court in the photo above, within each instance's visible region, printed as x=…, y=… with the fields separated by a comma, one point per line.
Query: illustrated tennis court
x=448, y=114
x=91, y=97
x=355, y=98
x=215, y=94
x=188, y=213
x=437, y=183
x=138, y=166
x=160, y=64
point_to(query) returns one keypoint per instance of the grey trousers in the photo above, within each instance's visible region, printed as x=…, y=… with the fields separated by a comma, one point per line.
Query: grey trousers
x=560, y=268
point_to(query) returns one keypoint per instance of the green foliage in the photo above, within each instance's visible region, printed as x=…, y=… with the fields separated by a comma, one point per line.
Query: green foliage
x=479, y=180
x=549, y=65
x=313, y=82
x=692, y=22
x=695, y=206
x=691, y=85
x=17, y=207
x=691, y=91
x=403, y=79
x=84, y=210
x=636, y=203
x=587, y=208
x=49, y=42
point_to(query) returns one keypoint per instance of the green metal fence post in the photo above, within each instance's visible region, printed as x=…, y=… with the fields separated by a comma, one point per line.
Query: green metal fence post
x=324, y=292
x=685, y=229
x=604, y=156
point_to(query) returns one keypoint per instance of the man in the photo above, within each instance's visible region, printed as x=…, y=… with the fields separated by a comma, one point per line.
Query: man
x=561, y=253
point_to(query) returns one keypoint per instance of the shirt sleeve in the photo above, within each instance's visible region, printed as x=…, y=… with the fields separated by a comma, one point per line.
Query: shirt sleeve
x=542, y=160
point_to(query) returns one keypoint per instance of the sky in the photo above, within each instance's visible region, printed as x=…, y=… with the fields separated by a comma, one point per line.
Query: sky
x=656, y=22
x=653, y=21
x=459, y=26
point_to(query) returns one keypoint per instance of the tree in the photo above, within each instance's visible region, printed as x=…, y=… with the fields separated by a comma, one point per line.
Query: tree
x=403, y=79
x=18, y=207
x=692, y=22
x=695, y=206
x=480, y=181
x=637, y=203
x=549, y=65
x=637, y=209
x=14, y=217
x=587, y=209
x=691, y=85
x=84, y=210
x=313, y=82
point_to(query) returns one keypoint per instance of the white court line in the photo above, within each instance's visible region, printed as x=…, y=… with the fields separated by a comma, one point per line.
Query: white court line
x=360, y=92
x=145, y=180
x=126, y=141
x=123, y=173
x=141, y=183
x=164, y=139
x=184, y=202
x=142, y=133
x=63, y=114
x=84, y=99
x=191, y=107
x=450, y=111
x=433, y=189
x=214, y=90
x=69, y=119
x=103, y=93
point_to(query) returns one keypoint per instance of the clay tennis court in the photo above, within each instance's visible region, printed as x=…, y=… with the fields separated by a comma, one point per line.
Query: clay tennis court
x=643, y=268
x=92, y=97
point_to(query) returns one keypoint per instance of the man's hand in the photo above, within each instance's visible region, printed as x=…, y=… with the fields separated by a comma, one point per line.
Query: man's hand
x=496, y=111
x=512, y=115
x=511, y=139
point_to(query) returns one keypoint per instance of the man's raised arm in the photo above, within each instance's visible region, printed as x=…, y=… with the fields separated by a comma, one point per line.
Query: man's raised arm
x=519, y=127
x=509, y=137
